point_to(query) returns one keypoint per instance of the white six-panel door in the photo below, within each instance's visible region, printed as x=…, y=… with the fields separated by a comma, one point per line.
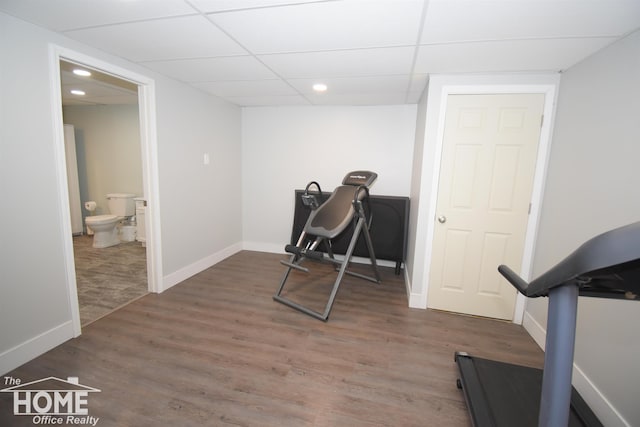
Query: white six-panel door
x=486, y=178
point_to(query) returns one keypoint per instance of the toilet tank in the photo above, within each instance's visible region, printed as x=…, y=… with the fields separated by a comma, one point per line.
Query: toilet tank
x=121, y=204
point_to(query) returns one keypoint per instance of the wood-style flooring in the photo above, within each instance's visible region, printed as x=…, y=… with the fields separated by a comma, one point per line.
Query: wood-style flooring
x=108, y=278
x=216, y=350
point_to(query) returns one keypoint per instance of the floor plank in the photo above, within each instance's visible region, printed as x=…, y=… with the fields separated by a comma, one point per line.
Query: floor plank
x=108, y=278
x=217, y=350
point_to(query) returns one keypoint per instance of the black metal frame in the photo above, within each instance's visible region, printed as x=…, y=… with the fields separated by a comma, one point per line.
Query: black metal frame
x=303, y=251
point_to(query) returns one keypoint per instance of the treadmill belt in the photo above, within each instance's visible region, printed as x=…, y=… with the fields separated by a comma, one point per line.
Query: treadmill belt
x=509, y=395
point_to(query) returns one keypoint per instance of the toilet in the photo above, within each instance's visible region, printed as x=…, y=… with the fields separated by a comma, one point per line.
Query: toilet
x=105, y=230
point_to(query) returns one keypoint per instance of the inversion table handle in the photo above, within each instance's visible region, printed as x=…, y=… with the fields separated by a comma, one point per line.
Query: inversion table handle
x=303, y=252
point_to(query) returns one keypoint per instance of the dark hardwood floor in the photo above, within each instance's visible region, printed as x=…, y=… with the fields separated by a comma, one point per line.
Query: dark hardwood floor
x=216, y=350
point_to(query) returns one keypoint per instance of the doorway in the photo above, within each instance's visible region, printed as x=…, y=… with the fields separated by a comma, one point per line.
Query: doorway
x=148, y=147
x=489, y=156
x=102, y=142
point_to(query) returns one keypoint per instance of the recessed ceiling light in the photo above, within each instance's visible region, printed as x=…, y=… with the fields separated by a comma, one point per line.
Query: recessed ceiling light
x=77, y=92
x=81, y=72
x=320, y=87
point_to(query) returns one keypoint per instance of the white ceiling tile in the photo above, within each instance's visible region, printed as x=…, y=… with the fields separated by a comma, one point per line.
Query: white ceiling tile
x=226, y=5
x=373, y=98
x=62, y=15
x=504, y=56
x=343, y=63
x=212, y=69
x=354, y=84
x=324, y=26
x=469, y=20
x=96, y=90
x=99, y=80
x=258, y=88
x=259, y=101
x=183, y=37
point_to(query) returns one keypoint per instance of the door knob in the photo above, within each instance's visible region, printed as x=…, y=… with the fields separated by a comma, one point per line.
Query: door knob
x=442, y=219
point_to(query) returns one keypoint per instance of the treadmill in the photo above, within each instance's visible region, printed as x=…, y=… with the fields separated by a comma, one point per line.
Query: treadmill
x=501, y=394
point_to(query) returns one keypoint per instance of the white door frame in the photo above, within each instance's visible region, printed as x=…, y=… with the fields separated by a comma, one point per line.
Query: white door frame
x=149, y=147
x=549, y=90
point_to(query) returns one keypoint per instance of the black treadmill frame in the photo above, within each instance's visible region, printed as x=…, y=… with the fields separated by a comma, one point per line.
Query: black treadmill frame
x=606, y=266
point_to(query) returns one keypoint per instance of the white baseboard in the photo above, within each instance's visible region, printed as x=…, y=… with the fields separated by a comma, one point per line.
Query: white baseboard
x=362, y=260
x=198, y=266
x=599, y=404
x=263, y=247
x=417, y=301
x=279, y=249
x=535, y=329
x=34, y=347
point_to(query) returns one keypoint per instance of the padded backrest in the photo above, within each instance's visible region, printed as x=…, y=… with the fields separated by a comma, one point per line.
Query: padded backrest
x=334, y=215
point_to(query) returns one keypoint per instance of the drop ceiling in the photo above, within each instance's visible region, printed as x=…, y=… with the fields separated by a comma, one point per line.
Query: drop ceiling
x=368, y=52
x=98, y=88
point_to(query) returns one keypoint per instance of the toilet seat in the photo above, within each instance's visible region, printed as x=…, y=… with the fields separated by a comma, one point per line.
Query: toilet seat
x=100, y=219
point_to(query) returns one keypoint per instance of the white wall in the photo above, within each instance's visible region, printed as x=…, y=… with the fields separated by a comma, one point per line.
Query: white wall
x=592, y=186
x=33, y=296
x=201, y=204
x=283, y=148
x=108, y=151
x=414, y=265
x=197, y=228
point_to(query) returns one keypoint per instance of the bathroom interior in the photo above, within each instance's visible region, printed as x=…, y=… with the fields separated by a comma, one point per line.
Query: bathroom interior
x=106, y=196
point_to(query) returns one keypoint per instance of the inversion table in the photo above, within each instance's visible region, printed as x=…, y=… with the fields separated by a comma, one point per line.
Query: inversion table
x=501, y=394
x=327, y=221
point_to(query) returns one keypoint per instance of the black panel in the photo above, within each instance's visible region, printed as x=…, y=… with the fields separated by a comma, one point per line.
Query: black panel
x=388, y=231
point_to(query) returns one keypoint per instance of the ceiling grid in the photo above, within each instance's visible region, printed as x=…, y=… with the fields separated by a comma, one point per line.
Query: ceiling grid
x=367, y=52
